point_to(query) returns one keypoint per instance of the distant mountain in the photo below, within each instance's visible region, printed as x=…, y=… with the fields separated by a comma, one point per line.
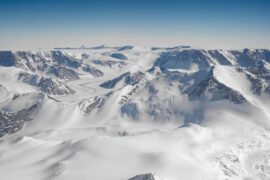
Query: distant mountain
x=46, y=85
x=123, y=48
x=128, y=78
x=119, y=56
x=218, y=91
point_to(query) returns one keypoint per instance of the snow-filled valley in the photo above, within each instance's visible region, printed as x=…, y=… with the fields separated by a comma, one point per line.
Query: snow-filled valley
x=135, y=113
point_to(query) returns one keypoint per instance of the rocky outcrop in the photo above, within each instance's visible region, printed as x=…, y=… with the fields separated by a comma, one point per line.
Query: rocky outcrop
x=64, y=60
x=62, y=72
x=185, y=59
x=92, y=70
x=119, y=56
x=128, y=78
x=210, y=86
x=148, y=176
x=7, y=59
x=46, y=85
x=110, y=63
x=123, y=48
x=131, y=110
x=13, y=122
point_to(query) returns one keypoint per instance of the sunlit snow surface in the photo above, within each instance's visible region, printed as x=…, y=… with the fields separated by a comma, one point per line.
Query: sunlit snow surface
x=175, y=113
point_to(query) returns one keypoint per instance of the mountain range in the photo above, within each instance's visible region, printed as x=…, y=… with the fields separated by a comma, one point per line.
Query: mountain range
x=135, y=113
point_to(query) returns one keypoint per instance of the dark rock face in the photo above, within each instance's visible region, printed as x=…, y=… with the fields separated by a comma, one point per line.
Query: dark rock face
x=65, y=60
x=37, y=62
x=244, y=58
x=219, y=57
x=119, y=56
x=31, y=61
x=85, y=56
x=183, y=60
x=131, y=110
x=259, y=79
x=50, y=86
x=130, y=79
x=13, y=122
x=95, y=103
x=125, y=48
x=111, y=83
x=7, y=59
x=28, y=78
x=218, y=91
x=248, y=58
x=149, y=176
x=257, y=85
x=134, y=78
x=62, y=72
x=92, y=70
x=110, y=63
x=46, y=85
x=89, y=105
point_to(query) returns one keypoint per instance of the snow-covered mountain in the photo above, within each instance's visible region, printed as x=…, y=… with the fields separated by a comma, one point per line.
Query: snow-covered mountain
x=135, y=113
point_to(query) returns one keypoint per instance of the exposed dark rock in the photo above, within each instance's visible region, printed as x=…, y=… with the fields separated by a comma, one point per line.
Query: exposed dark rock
x=65, y=60
x=95, y=103
x=219, y=57
x=85, y=56
x=131, y=110
x=88, y=105
x=54, y=87
x=134, y=78
x=13, y=122
x=7, y=59
x=218, y=90
x=111, y=83
x=148, y=176
x=129, y=78
x=62, y=72
x=183, y=60
x=92, y=70
x=110, y=63
x=125, y=48
x=119, y=56
x=46, y=85
x=249, y=57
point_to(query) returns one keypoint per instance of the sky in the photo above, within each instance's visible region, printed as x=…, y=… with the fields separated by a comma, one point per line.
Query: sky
x=212, y=24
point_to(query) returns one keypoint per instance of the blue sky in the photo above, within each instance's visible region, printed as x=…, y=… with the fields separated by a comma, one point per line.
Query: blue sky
x=32, y=24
